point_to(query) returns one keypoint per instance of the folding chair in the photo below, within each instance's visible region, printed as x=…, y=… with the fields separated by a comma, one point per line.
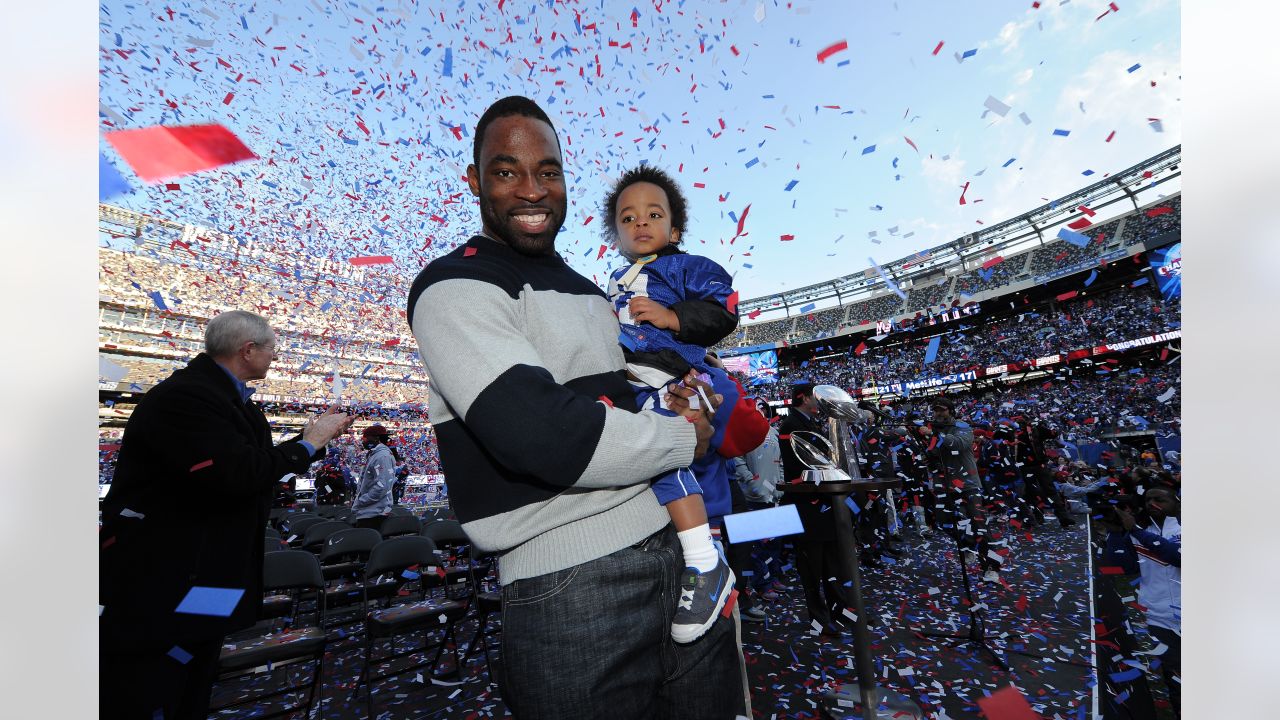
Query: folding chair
x=314, y=537
x=295, y=571
x=274, y=544
x=460, y=576
x=401, y=510
x=296, y=527
x=398, y=555
x=394, y=525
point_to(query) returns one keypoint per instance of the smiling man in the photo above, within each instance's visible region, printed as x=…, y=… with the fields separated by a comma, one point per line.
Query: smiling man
x=547, y=461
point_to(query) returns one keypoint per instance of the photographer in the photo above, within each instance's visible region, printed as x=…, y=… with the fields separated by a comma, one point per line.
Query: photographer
x=1031, y=449
x=957, y=479
x=1151, y=545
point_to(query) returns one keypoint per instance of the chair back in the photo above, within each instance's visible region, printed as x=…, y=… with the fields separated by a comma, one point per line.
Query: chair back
x=316, y=534
x=274, y=544
x=398, y=553
x=298, y=524
x=328, y=510
x=394, y=525
x=273, y=533
x=357, y=542
x=345, y=514
x=446, y=531
x=401, y=510
x=290, y=569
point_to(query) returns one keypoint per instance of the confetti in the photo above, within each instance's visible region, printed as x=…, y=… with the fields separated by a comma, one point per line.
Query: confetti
x=156, y=153
x=215, y=601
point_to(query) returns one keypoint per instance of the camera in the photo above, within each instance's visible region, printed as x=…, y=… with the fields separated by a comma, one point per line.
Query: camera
x=1104, y=502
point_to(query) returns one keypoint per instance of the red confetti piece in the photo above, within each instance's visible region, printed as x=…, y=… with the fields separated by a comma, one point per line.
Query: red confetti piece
x=201, y=465
x=1110, y=570
x=392, y=342
x=1157, y=211
x=754, y=314
x=160, y=152
x=1080, y=223
x=1067, y=295
x=785, y=238
x=603, y=249
x=992, y=262
x=605, y=399
x=1113, y=134
x=1007, y=704
x=832, y=50
x=963, y=190
x=469, y=252
x=371, y=260
x=913, y=145
x=731, y=304
x=939, y=48
x=1021, y=604
x=1086, y=211
x=862, y=347
x=588, y=220
x=699, y=185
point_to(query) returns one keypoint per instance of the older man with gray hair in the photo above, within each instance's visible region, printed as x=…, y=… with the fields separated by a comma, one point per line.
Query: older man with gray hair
x=180, y=559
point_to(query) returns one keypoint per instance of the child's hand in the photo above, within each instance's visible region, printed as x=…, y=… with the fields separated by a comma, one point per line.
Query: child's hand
x=643, y=309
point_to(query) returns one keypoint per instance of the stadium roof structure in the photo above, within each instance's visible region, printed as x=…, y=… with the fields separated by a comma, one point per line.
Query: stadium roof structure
x=971, y=250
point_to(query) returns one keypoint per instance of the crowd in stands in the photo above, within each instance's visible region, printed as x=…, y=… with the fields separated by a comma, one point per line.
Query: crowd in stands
x=1060, y=253
x=925, y=296
x=821, y=323
x=1122, y=313
x=1153, y=221
x=878, y=308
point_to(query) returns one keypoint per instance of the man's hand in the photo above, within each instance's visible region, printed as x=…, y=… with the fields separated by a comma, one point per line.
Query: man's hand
x=320, y=430
x=643, y=309
x=677, y=400
x=1126, y=519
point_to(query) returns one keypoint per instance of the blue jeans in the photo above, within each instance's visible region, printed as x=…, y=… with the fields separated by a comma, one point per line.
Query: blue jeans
x=594, y=641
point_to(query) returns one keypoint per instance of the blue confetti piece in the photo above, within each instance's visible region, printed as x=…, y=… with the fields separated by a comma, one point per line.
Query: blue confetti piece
x=326, y=306
x=409, y=575
x=626, y=341
x=158, y=299
x=1087, y=173
x=1135, y=67
x=1092, y=276
x=808, y=307
x=753, y=161
x=447, y=70
x=790, y=185
x=1126, y=676
x=1075, y=238
x=969, y=53
x=110, y=182
x=215, y=601
x=931, y=353
x=853, y=506
x=120, y=41
x=244, y=23
x=747, y=265
x=179, y=654
x=868, y=149
x=1062, y=133
x=1140, y=281
x=842, y=63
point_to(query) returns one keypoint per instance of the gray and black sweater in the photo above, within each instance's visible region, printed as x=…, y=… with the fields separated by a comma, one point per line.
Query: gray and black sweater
x=546, y=460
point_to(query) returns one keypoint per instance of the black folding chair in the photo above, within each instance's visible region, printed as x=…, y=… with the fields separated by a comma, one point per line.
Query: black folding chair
x=314, y=537
x=295, y=527
x=394, y=525
x=297, y=572
x=401, y=510
x=274, y=544
x=461, y=573
x=411, y=558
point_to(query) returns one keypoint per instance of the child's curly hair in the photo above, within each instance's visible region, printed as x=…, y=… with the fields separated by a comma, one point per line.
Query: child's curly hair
x=645, y=173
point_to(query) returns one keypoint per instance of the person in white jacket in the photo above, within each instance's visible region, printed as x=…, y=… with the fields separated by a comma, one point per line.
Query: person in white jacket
x=373, y=494
x=1157, y=552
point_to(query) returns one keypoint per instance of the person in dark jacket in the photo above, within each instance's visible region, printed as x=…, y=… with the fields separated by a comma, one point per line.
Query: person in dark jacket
x=180, y=560
x=817, y=556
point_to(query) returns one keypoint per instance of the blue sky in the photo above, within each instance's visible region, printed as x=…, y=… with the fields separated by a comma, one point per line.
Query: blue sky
x=666, y=77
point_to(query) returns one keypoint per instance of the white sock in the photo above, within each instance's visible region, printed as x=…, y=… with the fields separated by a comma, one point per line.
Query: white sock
x=699, y=552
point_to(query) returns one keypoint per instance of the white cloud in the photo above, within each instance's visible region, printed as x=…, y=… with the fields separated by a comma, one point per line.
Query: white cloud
x=1023, y=77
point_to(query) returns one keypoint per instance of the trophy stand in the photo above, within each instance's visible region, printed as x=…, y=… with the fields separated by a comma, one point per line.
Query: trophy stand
x=825, y=477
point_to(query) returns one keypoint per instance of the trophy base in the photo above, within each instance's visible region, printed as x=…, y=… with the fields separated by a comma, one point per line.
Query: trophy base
x=825, y=475
x=845, y=702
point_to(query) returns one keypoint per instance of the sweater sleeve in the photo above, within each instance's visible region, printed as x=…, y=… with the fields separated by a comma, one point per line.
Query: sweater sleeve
x=1166, y=549
x=472, y=339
